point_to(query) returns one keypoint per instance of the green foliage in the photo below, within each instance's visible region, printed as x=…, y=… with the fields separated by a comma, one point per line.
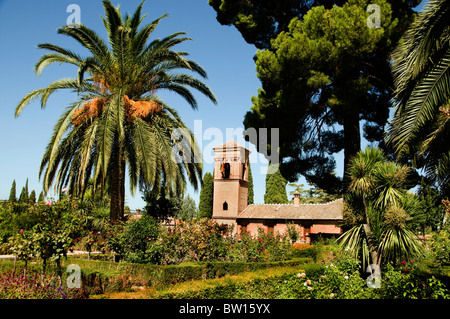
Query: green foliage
x=408, y=283
x=421, y=71
x=12, y=193
x=32, y=197
x=205, y=206
x=320, y=72
x=259, y=21
x=314, y=195
x=194, y=240
x=160, y=205
x=377, y=202
x=275, y=188
x=22, y=245
x=440, y=247
x=46, y=232
x=133, y=240
x=292, y=232
x=112, y=136
x=23, y=198
x=49, y=235
x=41, y=198
x=188, y=209
x=250, y=194
x=202, y=240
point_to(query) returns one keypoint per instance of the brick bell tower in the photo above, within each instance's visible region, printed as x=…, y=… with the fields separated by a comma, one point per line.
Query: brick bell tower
x=230, y=182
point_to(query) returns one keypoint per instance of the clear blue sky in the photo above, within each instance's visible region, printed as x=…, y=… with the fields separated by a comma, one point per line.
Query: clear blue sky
x=221, y=50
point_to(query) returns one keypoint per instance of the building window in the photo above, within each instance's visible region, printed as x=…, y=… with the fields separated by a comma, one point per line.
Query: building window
x=243, y=229
x=225, y=170
x=270, y=229
x=225, y=206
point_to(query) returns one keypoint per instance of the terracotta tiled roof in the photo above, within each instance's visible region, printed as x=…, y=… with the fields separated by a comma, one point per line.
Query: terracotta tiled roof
x=328, y=211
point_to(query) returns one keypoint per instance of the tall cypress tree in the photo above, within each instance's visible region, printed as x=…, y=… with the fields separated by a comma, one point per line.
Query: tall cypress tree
x=250, y=195
x=275, y=189
x=205, y=206
x=23, y=198
x=41, y=197
x=12, y=193
x=32, y=197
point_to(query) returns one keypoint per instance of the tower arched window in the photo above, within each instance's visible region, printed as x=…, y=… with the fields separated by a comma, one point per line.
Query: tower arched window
x=225, y=170
x=225, y=206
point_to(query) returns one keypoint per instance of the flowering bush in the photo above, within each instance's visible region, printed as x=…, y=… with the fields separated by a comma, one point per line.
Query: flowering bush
x=408, y=282
x=34, y=286
x=48, y=230
x=195, y=240
x=341, y=279
x=263, y=247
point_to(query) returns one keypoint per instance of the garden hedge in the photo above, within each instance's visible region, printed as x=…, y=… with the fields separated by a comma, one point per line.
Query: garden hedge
x=100, y=277
x=266, y=288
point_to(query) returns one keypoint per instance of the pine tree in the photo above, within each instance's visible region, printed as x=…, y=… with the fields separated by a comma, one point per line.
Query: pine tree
x=275, y=189
x=205, y=206
x=12, y=193
x=250, y=195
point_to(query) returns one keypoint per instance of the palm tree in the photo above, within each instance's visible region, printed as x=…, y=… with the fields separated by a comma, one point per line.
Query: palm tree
x=421, y=71
x=376, y=192
x=118, y=121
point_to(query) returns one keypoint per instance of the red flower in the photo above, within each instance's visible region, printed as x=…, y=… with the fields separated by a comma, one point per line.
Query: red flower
x=21, y=231
x=403, y=263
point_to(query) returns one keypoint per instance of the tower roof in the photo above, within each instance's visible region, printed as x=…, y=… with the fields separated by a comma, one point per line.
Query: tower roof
x=232, y=144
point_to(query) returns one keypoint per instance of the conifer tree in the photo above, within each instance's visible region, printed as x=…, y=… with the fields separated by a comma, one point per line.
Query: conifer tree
x=23, y=198
x=250, y=195
x=41, y=198
x=32, y=198
x=205, y=206
x=12, y=193
x=275, y=189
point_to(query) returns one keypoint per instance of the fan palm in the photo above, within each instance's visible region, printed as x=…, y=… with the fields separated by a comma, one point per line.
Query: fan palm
x=117, y=119
x=421, y=71
x=378, y=186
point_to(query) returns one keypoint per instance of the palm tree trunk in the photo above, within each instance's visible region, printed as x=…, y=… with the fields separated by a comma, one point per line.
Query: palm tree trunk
x=370, y=237
x=122, y=186
x=117, y=190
